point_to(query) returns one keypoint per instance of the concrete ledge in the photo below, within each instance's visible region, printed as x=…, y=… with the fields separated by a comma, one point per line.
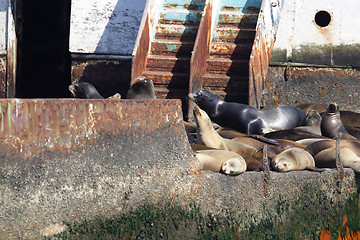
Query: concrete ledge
x=70, y=162
x=30, y=206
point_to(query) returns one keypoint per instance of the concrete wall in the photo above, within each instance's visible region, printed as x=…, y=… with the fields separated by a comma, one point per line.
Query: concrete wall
x=105, y=27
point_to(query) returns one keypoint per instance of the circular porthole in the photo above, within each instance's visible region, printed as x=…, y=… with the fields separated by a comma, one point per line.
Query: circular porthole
x=322, y=18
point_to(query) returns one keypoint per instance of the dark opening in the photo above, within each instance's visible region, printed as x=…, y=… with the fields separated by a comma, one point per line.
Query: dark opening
x=322, y=18
x=43, y=62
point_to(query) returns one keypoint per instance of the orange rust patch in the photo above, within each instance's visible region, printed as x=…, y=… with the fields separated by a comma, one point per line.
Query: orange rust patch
x=276, y=99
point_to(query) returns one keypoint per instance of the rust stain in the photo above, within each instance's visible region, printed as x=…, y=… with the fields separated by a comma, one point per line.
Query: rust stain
x=143, y=48
x=276, y=99
x=322, y=90
x=32, y=126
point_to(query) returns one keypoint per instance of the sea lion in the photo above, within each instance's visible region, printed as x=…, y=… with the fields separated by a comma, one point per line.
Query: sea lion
x=313, y=118
x=350, y=119
x=245, y=118
x=308, y=141
x=306, y=107
x=294, y=134
x=84, y=90
x=324, y=153
x=319, y=146
x=197, y=147
x=227, y=162
x=327, y=158
x=208, y=135
x=293, y=159
x=142, y=88
x=331, y=124
x=252, y=164
x=230, y=133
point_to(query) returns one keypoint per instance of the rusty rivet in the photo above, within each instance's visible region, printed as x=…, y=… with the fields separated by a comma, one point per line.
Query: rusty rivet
x=273, y=4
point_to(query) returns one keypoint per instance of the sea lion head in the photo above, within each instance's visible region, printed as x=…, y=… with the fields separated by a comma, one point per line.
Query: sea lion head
x=333, y=108
x=313, y=118
x=84, y=90
x=283, y=164
x=233, y=166
x=206, y=100
x=142, y=88
x=201, y=117
x=331, y=124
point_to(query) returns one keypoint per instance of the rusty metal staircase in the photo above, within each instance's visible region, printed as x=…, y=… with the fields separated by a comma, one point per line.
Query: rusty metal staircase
x=171, y=45
x=227, y=72
x=220, y=45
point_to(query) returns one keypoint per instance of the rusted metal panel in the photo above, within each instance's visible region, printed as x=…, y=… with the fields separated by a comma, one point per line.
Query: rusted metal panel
x=33, y=130
x=145, y=35
x=266, y=29
x=12, y=47
x=3, y=85
x=201, y=51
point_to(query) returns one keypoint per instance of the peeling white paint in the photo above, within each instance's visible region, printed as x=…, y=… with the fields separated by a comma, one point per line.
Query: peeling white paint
x=297, y=26
x=105, y=26
x=3, y=24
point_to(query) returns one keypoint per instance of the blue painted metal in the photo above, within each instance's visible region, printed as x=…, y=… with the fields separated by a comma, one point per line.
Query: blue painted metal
x=186, y=17
x=185, y=4
x=240, y=5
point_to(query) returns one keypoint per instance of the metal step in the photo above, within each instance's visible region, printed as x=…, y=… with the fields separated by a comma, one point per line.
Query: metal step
x=168, y=78
x=234, y=35
x=176, y=32
x=237, y=19
x=171, y=93
x=246, y=6
x=171, y=48
x=168, y=63
x=180, y=16
x=221, y=82
x=231, y=50
x=227, y=66
x=187, y=4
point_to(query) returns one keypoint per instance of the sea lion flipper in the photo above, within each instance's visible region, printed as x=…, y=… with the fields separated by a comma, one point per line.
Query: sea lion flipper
x=261, y=148
x=315, y=169
x=266, y=140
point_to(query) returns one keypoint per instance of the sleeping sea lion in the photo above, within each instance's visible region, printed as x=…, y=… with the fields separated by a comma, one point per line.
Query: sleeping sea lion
x=245, y=118
x=324, y=153
x=294, y=159
x=227, y=162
